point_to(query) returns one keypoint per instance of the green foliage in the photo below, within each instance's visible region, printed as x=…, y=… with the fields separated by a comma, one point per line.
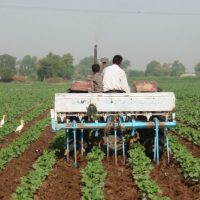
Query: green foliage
x=31, y=182
x=84, y=68
x=197, y=69
x=125, y=64
x=154, y=68
x=55, y=66
x=20, y=144
x=190, y=166
x=190, y=133
x=177, y=68
x=27, y=66
x=141, y=168
x=6, y=74
x=7, y=67
x=93, y=176
x=7, y=61
x=135, y=73
x=27, y=100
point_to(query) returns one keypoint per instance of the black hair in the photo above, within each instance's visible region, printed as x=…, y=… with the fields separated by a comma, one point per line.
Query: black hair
x=117, y=59
x=95, y=68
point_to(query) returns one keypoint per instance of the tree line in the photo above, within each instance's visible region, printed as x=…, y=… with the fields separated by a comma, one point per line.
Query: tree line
x=53, y=65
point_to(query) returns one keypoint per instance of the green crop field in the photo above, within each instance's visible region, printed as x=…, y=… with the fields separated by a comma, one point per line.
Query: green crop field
x=33, y=164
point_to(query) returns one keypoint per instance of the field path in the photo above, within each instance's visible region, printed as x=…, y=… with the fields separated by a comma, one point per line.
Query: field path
x=18, y=167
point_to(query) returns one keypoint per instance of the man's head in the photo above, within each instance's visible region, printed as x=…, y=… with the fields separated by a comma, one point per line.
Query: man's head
x=117, y=59
x=95, y=68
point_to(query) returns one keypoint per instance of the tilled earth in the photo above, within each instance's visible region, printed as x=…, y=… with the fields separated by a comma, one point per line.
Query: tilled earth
x=64, y=181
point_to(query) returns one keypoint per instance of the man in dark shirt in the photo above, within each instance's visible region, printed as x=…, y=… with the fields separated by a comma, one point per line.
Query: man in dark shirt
x=97, y=79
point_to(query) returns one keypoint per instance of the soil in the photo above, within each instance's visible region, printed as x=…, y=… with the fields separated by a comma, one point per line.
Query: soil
x=63, y=182
x=18, y=167
x=119, y=183
x=168, y=177
x=13, y=136
x=194, y=149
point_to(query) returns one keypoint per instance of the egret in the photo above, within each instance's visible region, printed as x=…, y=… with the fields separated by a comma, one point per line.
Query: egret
x=20, y=127
x=2, y=122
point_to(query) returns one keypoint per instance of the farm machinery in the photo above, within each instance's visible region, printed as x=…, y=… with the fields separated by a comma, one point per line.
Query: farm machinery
x=114, y=120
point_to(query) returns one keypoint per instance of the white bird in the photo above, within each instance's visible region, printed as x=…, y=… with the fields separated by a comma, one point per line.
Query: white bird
x=2, y=122
x=20, y=127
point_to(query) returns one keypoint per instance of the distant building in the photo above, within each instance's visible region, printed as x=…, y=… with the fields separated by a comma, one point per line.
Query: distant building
x=188, y=74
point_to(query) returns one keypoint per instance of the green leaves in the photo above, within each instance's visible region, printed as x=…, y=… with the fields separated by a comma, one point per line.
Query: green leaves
x=190, y=166
x=93, y=176
x=34, y=179
x=141, y=168
x=19, y=145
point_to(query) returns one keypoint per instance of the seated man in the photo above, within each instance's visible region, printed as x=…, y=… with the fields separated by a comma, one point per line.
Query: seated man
x=114, y=78
x=97, y=79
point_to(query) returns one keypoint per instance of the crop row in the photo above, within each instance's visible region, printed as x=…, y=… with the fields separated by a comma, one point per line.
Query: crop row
x=93, y=176
x=31, y=182
x=190, y=166
x=141, y=168
x=10, y=126
x=20, y=144
x=191, y=134
x=15, y=99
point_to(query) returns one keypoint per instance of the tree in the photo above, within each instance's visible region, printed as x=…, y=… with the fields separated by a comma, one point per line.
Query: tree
x=6, y=74
x=7, y=61
x=177, y=68
x=154, y=68
x=125, y=64
x=84, y=67
x=27, y=66
x=55, y=66
x=7, y=67
x=197, y=69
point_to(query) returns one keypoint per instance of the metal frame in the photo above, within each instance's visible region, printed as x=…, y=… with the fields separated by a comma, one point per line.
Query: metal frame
x=74, y=126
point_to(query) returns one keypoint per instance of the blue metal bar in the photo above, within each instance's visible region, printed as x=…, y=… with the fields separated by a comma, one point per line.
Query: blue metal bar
x=82, y=142
x=67, y=143
x=134, y=124
x=154, y=152
x=123, y=148
x=156, y=144
x=74, y=133
x=97, y=131
x=107, y=145
x=168, y=150
x=115, y=132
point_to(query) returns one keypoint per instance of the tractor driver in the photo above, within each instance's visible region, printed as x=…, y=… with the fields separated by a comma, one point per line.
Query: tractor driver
x=114, y=78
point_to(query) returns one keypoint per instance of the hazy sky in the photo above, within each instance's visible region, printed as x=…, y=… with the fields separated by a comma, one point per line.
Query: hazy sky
x=139, y=30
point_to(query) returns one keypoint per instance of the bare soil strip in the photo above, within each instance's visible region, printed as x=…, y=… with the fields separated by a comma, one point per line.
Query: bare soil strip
x=63, y=182
x=13, y=136
x=119, y=184
x=194, y=149
x=172, y=184
x=18, y=167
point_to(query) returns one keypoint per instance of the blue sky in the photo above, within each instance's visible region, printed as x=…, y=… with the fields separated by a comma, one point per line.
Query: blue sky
x=139, y=30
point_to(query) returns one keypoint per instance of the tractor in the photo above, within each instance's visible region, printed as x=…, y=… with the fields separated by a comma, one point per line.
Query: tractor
x=114, y=120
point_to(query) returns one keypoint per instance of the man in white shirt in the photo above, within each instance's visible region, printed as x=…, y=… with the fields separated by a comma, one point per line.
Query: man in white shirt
x=114, y=78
